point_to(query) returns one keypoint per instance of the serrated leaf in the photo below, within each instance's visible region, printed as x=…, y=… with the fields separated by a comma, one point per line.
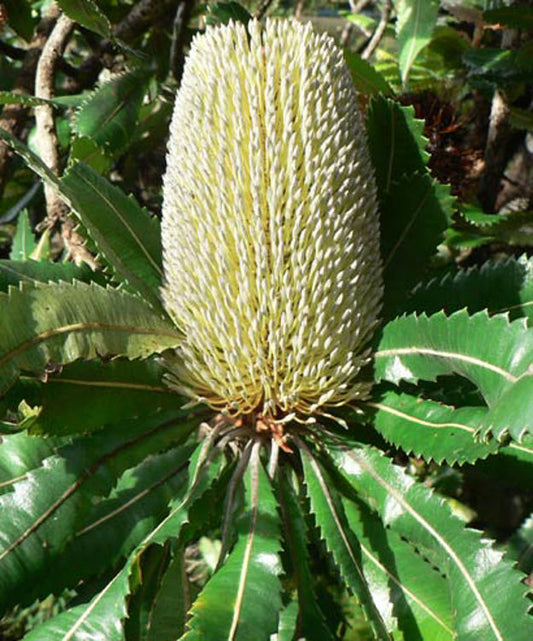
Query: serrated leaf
x=101, y=619
x=405, y=587
x=331, y=519
x=109, y=114
x=396, y=141
x=126, y=235
x=85, y=396
x=415, y=22
x=431, y=430
x=511, y=415
x=490, y=352
x=425, y=209
x=98, y=620
x=88, y=14
x=514, y=227
x=498, y=286
x=242, y=600
x=128, y=238
x=312, y=621
x=54, y=499
x=59, y=323
x=24, y=242
x=168, y=610
x=366, y=79
x=13, y=272
x=414, y=208
x=473, y=568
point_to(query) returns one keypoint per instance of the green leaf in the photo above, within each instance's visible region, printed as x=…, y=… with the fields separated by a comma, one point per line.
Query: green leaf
x=126, y=235
x=19, y=18
x=512, y=227
x=113, y=528
x=511, y=415
x=242, y=600
x=32, y=160
x=512, y=17
x=340, y=541
x=59, y=323
x=85, y=396
x=396, y=140
x=416, y=594
x=472, y=566
x=109, y=114
x=288, y=620
x=12, y=98
x=498, y=286
x=128, y=238
x=120, y=522
x=415, y=213
x=496, y=67
x=99, y=620
x=431, y=430
x=223, y=12
x=490, y=352
x=366, y=79
x=53, y=501
x=24, y=242
x=13, y=272
x=414, y=208
x=88, y=14
x=89, y=152
x=168, y=611
x=415, y=22
x=312, y=621
x=19, y=454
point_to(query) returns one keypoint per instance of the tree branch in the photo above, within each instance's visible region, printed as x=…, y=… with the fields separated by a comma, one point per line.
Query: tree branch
x=179, y=29
x=261, y=10
x=46, y=138
x=13, y=116
x=386, y=9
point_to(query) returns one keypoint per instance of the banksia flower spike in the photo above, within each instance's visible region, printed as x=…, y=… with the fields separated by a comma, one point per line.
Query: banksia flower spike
x=270, y=228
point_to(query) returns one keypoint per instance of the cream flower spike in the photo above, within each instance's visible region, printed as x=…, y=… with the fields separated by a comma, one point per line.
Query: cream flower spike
x=270, y=226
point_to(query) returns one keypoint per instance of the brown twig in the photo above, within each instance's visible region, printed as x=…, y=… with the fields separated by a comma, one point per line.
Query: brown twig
x=386, y=9
x=179, y=29
x=356, y=7
x=262, y=8
x=299, y=9
x=46, y=138
x=13, y=116
x=500, y=139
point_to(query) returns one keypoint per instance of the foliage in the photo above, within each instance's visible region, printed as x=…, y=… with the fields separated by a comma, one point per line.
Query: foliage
x=129, y=516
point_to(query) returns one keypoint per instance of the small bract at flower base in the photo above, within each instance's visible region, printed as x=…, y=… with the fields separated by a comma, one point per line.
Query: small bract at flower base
x=270, y=226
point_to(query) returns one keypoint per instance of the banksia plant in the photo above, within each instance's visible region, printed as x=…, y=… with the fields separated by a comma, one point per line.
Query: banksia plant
x=278, y=287
x=211, y=440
